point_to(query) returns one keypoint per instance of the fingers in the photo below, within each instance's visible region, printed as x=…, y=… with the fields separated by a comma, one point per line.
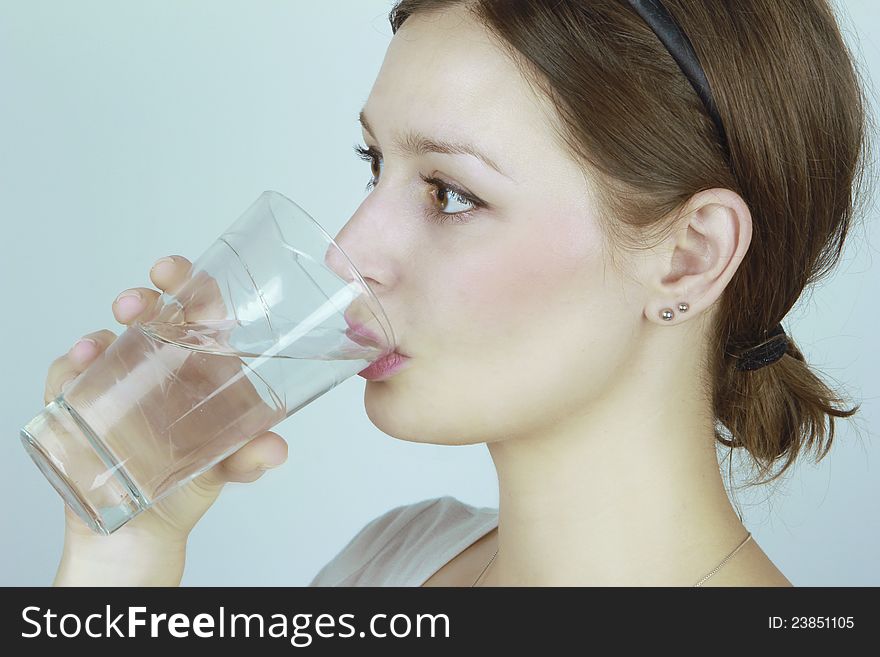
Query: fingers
x=201, y=298
x=268, y=450
x=131, y=303
x=67, y=367
x=167, y=274
x=198, y=295
x=170, y=272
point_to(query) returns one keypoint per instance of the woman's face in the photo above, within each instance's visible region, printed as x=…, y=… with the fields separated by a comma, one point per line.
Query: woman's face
x=508, y=312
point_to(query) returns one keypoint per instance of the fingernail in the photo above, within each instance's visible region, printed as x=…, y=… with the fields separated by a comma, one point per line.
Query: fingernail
x=84, y=349
x=66, y=384
x=266, y=466
x=129, y=302
x=162, y=263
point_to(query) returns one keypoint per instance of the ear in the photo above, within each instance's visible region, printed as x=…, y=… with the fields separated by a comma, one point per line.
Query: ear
x=701, y=256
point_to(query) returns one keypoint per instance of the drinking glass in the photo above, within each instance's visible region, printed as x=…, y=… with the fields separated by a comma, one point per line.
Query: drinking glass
x=271, y=316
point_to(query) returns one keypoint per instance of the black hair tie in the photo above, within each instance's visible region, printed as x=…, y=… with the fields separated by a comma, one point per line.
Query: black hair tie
x=766, y=353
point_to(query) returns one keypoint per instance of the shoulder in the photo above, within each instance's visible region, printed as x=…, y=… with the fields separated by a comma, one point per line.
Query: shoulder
x=755, y=569
x=374, y=554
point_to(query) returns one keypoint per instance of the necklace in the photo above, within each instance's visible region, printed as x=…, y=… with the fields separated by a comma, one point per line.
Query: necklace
x=484, y=569
x=700, y=583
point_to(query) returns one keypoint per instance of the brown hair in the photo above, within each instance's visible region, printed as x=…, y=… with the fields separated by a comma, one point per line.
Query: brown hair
x=791, y=101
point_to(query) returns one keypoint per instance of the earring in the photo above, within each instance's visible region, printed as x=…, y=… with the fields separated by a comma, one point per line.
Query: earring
x=666, y=314
x=682, y=307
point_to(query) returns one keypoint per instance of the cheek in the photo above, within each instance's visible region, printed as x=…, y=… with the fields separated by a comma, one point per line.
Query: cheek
x=525, y=287
x=530, y=331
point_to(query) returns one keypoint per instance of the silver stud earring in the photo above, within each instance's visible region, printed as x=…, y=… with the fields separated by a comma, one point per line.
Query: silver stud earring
x=682, y=307
x=666, y=314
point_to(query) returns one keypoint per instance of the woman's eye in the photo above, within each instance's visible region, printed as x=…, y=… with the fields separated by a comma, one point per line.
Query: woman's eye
x=370, y=155
x=375, y=167
x=442, y=194
x=444, y=197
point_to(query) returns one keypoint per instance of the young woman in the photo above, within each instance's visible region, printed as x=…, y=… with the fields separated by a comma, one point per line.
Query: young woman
x=586, y=236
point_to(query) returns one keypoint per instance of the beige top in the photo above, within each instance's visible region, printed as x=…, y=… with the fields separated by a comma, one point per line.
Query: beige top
x=408, y=544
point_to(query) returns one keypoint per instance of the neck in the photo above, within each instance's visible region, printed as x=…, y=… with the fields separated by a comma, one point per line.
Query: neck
x=623, y=494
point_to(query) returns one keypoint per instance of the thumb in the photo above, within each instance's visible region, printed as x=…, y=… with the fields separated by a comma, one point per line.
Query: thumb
x=248, y=463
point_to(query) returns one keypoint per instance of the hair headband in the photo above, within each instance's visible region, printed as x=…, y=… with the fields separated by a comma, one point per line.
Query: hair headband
x=679, y=46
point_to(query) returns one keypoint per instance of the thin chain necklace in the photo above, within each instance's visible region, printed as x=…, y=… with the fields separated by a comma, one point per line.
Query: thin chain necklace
x=700, y=583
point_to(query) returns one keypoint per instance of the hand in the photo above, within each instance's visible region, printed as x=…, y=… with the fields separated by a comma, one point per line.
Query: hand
x=154, y=541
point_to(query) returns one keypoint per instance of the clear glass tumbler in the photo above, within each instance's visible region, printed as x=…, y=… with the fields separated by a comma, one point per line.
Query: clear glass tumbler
x=271, y=316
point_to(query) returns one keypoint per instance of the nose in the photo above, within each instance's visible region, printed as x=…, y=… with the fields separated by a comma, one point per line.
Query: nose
x=336, y=262
x=364, y=326
x=340, y=264
x=358, y=248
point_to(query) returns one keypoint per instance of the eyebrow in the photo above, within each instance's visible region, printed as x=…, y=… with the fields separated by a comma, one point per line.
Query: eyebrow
x=414, y=143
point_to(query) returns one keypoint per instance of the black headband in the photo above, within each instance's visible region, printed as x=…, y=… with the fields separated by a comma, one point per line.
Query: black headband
x=679, y=46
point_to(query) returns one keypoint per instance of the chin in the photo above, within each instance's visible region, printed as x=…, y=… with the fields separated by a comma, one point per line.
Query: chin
x=398, y=415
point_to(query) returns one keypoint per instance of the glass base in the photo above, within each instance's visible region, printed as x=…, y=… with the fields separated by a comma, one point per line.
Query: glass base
x=73, y=459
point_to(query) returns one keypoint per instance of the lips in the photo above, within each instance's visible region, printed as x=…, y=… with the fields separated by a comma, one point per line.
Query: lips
x=385, y=367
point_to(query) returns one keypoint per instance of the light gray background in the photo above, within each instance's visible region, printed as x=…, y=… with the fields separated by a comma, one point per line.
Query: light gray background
x=134, y=130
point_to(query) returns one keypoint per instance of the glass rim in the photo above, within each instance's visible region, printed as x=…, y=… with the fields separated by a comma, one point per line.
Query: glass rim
x=381, y=315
